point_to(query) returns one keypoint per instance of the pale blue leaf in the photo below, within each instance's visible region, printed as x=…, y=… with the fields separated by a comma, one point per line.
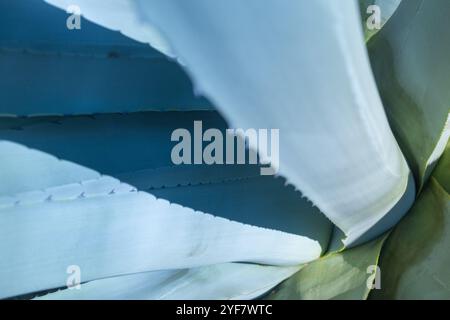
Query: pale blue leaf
x=267, y=69
x=232, y=281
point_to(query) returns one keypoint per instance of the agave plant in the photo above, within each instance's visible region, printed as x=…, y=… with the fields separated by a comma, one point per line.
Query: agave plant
x=88, y=184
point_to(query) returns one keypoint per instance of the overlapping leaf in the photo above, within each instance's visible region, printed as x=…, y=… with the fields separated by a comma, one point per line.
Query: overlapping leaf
x=370, y=9
x=410, y=60
x=48, y=69
x=336, y=147
x=108, y=228
x=341, y=275
x=225, y=282
x=414, y=263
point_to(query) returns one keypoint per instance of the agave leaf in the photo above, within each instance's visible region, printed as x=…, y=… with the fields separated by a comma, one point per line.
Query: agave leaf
x=441, y=173
x=123, y=234
x=123, y=146
x=387, y=9
x=119, y=15
x=108, y=143
x=45, y=32
x=87, y=85
x=24, y=170
x=108, y=228
x=389, y=221
x=414, y=262
x=341, y=275
x=410, y=60
x=224, y=282
x=91, y=70
x=331, y=112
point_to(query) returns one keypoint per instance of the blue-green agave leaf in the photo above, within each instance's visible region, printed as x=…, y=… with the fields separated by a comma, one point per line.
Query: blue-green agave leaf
x=386, y=9
x=119, y=15
x=315, y=124
x=414, y=262
x=111, y=228
x=441, y=173
x=320, y=105
x=108, y=228
x=48, y=69
x=123, y=146
x=342, y=275
x=225, y=282
x=410, y=60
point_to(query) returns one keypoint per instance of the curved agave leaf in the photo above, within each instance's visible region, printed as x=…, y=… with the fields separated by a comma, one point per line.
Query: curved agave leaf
x=91, y=70
x=235, y=64
x=389, y=221
x=414, y=262
x=351, y=97
x=342, y=275
x=38, y=28
x=108, y=143
x=222, y=282
x=386, y=9
x=119, y=15
x=24, y=170
x=108, y=229
x=410, y=60
x=441, y=173
x=123, y=146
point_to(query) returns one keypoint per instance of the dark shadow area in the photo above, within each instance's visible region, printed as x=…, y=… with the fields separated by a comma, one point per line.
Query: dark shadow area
x=136, y=148
x=107, y=77
x=48, y=69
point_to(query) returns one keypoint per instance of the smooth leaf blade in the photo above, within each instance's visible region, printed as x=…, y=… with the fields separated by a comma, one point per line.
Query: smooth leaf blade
x=233, y=281
x=410, y=60
x=314, y=123
x=369, y=14
x=341, y=275
x=123, y=146
x=414, y=262
x=108, y=228
x=85, y=71
x=441, y=173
